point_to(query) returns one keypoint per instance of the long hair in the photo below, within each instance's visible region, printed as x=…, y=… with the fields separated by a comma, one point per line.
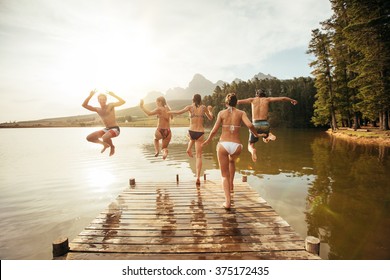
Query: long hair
x=164, y=104
x=197, y=99
x=231, y=99
x=162, y=100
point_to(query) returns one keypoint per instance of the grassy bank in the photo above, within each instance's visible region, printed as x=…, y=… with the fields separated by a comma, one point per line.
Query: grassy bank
x=367, y=135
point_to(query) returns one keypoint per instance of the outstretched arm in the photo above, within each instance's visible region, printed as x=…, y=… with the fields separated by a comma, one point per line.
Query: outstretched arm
x=86, y=101
x=179, y=112
x=120, y=100
x=214, y=130
x=146, y=111
x=209, y=112
x=286, y=99
x=245, y=101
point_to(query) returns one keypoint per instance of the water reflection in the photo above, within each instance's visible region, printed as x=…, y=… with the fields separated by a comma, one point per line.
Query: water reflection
x=349, y=201
x=198, y=218
x=177, y=156
x=166, y=215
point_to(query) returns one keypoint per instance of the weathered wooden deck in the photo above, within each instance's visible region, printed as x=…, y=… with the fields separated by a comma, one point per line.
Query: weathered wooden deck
x=185, y=221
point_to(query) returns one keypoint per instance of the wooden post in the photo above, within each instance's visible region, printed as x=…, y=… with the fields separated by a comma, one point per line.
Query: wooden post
x=60, y=247
x=204, y=176
x=312, y=245
x=177, y=178
x=132, y=182
x=244, y=178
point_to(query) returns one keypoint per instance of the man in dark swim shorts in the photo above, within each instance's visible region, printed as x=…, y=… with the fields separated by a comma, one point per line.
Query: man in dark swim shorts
x=107, y=114
x=262, y=127
x=260, y=106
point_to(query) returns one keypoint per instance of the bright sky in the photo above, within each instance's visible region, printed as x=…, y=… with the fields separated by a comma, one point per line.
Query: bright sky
x=54, y=52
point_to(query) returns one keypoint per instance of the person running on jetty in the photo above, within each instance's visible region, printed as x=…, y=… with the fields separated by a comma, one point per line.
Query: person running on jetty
x=260, y=107
x=163, y=131
x=229, y=146
x=107, y=114
x=196, y=111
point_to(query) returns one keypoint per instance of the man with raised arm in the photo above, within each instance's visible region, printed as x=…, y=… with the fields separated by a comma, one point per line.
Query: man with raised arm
x=260, y=107
x=107, y=114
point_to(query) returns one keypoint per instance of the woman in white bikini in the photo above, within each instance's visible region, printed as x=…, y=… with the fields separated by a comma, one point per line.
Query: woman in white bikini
x=163, y=131
x=196, y=131
x=229, y=146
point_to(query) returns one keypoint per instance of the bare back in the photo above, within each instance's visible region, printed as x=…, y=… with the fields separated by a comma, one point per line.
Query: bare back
x=231, y=123
x=260, y=107
x=163, y=117
x=197, y=118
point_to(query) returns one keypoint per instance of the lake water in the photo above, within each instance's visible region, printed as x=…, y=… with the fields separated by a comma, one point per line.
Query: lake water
x=53, y=183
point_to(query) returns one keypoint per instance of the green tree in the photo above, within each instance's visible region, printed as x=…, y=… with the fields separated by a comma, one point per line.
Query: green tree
x=324, y=107
x=368, y=33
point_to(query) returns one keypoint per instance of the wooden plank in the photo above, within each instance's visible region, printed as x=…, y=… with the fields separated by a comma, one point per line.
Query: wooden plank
x=183, y=233
x=189, y=248
x=181, y=220
x=158, y=240
x=273, y=255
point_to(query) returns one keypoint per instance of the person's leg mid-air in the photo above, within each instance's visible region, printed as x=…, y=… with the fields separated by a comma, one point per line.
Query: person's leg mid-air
x=107, y=138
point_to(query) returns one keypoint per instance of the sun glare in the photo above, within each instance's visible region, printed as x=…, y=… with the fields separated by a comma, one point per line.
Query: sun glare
x=99, y=178
x=112, y=61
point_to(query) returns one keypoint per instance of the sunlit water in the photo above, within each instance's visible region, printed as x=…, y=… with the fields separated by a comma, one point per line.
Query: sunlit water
x=53, y=183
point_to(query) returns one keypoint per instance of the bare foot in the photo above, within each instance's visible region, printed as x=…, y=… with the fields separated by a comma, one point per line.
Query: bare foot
x=198, y=181
x=226, y=206
x=105, y=146
x=254, y=156
x=189, y=152
x=165, y=153
x=156, y=154
x=270, y=137
x=112, y=150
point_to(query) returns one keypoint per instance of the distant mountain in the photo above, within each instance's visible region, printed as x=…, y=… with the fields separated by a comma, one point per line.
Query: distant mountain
x=259, y=76
x=151, y=96
x=262, y=76
x=198, y=84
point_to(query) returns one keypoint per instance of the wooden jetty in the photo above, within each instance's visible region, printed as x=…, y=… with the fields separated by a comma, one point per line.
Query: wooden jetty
x=180, y=220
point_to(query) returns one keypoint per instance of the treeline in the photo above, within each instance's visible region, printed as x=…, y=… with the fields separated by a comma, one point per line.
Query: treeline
x=281, y=113
x=351, y=69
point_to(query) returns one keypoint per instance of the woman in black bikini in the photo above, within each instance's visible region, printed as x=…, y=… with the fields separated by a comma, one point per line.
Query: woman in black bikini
x=163, y=131
x=196, y=131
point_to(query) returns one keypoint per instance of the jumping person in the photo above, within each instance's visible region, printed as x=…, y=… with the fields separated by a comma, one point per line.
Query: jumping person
x=163, y=131
x=196, y=130
x=229, y=146
x=107, y=114
x=260, y=107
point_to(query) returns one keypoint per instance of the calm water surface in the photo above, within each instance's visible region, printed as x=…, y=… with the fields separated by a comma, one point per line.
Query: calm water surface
x=53, y=183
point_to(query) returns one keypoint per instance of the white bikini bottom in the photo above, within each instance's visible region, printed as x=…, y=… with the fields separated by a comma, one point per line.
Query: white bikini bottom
x=230, y=147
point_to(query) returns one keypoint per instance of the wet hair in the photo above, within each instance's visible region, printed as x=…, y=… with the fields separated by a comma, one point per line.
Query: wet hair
x=162, y=100
x=231, y=99
x=197, y=99
x=260, y=93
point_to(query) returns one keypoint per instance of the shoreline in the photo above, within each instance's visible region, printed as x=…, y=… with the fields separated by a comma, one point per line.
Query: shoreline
x=365, y=136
